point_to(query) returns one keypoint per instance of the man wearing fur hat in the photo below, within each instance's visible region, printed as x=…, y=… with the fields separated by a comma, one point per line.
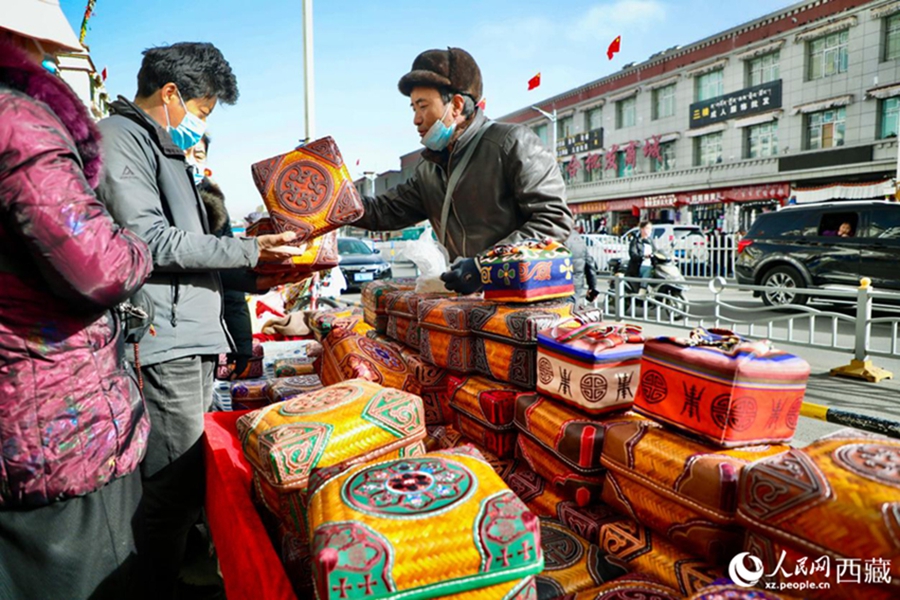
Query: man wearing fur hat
x=505, y=185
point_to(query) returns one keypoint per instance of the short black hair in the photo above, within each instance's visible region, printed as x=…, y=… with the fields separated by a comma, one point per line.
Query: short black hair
x=198, y=69
x=206, y=140
x=644, y=224
x=468, y=102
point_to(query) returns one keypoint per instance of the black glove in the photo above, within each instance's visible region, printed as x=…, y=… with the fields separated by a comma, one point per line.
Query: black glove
x=463, y=277
x=241, y=362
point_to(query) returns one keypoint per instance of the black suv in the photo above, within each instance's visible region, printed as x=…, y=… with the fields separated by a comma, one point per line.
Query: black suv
x=821, y=245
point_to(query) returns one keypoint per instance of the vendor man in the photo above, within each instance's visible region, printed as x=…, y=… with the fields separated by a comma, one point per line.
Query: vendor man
x=505, y=184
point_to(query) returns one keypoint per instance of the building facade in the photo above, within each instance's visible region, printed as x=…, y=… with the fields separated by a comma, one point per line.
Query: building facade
x=800, y=104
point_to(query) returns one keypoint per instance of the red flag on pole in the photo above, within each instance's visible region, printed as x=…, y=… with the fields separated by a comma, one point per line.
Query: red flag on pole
x=357, y=162
x=103, y=74
x=534, y=81
x=614, y=47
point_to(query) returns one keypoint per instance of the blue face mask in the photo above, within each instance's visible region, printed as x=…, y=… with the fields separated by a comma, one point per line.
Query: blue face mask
x=198, y=176
x=189, y=131
x=439, y=135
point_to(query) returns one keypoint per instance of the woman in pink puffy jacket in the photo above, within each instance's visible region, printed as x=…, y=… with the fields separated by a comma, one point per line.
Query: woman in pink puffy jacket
x=72, y=422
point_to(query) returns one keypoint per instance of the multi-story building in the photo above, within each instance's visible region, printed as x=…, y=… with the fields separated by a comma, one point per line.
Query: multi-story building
x=801, y=104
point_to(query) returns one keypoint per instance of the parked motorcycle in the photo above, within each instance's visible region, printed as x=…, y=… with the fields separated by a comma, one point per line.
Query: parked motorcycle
x=669, y=292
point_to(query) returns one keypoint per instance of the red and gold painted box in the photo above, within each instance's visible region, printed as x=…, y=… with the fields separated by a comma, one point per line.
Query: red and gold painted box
x=287, y=388
x=501, y=442
x=350, y=356
x=679, y=487
x=592, y=366
x=572, y=485
x=573, y=437
x=250, y=393
x=485, y=410
x=506, y=338
x=446, y=338
x=431, y=384
x=308, y=190
x=544, y=501
x=571, y=563
x=323, y=321
x=725, y=389
x=629, y=587
x=836, y=500
x=402, y=309
x=293, y=367
x=644, y=551
x=374, y=301
x=319, y=254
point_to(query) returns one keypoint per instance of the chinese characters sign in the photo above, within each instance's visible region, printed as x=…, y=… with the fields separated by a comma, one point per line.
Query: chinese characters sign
x=749, y=101
x=581, y=142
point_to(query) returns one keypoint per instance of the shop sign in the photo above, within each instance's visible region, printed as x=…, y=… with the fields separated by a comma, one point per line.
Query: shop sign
x=700, y=198
x=659, y=201
x=627, y=204
x=582, y=142
x=749, y=101
x=769, y=191
x=589, y=207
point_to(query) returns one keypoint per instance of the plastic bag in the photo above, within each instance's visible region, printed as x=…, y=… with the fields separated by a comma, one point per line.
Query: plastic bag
x=431, y=259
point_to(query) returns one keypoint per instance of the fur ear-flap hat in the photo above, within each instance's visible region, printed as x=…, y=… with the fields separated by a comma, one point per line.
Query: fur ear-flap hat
x=453, y=68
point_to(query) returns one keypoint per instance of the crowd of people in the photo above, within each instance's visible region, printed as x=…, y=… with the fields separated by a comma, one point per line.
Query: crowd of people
x=112, y=234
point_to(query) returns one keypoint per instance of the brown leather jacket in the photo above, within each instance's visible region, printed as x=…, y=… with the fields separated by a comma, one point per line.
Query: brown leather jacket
x=512, y=190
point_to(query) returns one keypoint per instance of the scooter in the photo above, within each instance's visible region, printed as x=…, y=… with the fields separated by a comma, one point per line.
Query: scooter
x=669, y=292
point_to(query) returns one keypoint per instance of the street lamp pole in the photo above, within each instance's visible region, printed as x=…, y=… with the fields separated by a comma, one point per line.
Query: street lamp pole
x=309, y=99
x=552, y=118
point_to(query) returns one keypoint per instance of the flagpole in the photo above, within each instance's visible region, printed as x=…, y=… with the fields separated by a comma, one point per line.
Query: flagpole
x=552, y=118
x=309, y=100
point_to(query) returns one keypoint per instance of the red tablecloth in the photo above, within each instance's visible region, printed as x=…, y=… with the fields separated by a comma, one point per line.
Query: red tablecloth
x=250, y=566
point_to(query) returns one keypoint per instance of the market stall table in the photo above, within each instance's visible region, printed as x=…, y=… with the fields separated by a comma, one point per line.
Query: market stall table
x=249, y=563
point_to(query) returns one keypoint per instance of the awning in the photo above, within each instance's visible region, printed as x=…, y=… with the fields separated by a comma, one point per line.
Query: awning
x=757, y=119
x=662, y=82
x=760, y=50
x=765, y=191
x=816, y=32
x=669, y=137
x=811, y=107
x=885, y=10
x=884, y=91
x=703, y=69
x=714, y=128
x=844, y=191
x=624, y=95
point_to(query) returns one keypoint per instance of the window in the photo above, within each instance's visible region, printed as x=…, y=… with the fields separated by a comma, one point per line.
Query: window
x=352, y=246
x=764, y=68
x=565, y=127
x=626, y=111
x=623, y=169
x=594, y=119
x=709, y=149
x=892, y=37
x=890, y=108
x=842, y=224
x=541, y=131
x=825, y=129
x=762, y=140
x=885, y=223
x=664, y=102
x=568, y=179
x=667, y=154
x=788, y=223
x=710, y=85
x=828, y=55
x=596, y=174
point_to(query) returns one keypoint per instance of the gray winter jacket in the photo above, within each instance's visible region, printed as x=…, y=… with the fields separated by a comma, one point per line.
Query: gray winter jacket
x=148, y=188
x=511, y=191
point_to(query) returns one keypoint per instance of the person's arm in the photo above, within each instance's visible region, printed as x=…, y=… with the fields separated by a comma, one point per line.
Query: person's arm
x=129, y=190
x=52, y=213
x=395, y=209
x=537, y=183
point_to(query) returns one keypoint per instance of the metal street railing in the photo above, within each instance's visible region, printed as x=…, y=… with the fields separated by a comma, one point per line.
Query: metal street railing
x=799, y=325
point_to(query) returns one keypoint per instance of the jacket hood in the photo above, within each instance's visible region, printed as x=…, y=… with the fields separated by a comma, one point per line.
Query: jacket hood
x=214, y=202
x=19, y=72
x=126, y=108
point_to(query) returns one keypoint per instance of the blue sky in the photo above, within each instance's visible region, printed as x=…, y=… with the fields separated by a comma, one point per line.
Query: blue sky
x=362, y=48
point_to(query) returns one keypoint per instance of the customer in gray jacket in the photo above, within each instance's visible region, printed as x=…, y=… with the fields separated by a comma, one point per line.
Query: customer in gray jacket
x=149, y=188
x=510, y=190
